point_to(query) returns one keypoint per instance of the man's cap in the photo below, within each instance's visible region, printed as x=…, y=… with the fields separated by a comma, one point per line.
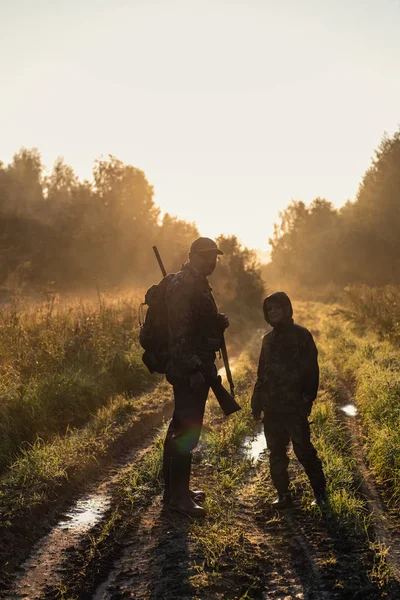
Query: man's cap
x=204, y=244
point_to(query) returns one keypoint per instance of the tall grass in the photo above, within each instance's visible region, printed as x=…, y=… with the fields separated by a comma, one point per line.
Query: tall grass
x=371, y=366
x=377, y=307
x=61, y=362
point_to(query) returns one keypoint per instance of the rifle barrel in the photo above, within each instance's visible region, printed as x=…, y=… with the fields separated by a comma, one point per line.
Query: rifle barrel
x=160, y=262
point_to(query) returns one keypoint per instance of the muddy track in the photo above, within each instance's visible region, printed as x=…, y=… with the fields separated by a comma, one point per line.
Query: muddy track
x=162, y=559
x=78, y=511
x=154, y=554
x=291, y=554
x=288, y=555
x=325, y=564
x=387, y=530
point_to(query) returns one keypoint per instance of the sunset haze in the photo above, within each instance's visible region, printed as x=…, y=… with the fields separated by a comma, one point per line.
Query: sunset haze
x=232, y=109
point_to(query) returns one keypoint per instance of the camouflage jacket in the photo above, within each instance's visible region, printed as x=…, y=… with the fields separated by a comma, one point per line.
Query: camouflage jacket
x=288, y=372
x=194, y=329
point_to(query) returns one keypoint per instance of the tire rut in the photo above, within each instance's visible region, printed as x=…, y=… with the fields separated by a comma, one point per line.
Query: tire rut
x=289, y=555
x=44, y=568
x=386, y=531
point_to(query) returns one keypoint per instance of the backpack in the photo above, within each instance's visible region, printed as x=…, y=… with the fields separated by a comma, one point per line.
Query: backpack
x=153, y=335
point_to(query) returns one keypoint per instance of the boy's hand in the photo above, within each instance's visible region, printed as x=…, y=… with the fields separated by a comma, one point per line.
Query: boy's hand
x=308, y=402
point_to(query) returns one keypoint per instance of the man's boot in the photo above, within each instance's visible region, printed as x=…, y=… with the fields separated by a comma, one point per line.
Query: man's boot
x=181, y=500
x=196, y=495
x=284, y=500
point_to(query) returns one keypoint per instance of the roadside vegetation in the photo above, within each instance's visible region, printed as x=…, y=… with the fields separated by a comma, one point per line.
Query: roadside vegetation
x=60, y=363
x=375, y=308
x=369, y=363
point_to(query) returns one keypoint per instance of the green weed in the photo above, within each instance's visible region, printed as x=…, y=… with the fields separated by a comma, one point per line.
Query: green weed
x=60, y=363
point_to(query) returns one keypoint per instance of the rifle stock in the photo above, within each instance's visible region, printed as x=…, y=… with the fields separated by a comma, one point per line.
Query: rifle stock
x=225, y=400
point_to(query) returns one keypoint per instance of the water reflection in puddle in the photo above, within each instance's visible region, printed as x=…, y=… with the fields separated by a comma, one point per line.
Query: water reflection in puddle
x=86, y=513
x=350, y=410
x=43, y=564
x=255, y=446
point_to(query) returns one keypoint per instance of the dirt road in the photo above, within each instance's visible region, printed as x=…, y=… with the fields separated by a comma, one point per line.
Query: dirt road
x=113, y=542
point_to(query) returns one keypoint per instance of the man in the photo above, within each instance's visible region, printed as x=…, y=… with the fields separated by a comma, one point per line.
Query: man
x=286, y=387
x=195, y=333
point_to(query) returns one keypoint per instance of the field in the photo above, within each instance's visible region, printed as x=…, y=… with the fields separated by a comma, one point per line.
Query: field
x=80, y=457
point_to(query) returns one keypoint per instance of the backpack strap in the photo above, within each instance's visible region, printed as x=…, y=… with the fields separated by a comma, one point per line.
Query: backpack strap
x=141, y=314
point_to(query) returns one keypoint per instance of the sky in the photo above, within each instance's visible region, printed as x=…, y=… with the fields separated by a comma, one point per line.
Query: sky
x=231, y=108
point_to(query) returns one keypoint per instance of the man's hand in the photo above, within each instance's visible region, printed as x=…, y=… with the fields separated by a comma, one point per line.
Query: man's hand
x=223, y=321
x=196, y=379
x=256, y=415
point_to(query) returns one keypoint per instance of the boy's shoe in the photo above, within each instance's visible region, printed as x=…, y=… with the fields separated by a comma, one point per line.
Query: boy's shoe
x=320, y=499
x=196, y=495
x=284, y=500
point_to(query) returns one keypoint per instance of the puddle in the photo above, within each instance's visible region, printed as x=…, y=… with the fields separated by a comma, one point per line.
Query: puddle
x=255, y=446
x=45, y=563
x=349, y=409
x=85, y=514
x=41, y=568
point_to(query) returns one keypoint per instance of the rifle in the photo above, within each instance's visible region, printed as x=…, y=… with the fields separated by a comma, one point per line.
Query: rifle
x=225, y=399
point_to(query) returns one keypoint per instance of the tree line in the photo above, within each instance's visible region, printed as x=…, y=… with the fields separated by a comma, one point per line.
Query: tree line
x=359, y=243
x=62, y=234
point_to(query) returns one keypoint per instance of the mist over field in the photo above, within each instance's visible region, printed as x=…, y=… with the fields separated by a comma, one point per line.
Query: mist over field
x=253, y=124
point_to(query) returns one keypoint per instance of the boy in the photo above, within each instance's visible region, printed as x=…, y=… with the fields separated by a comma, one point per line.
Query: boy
x=286, y=387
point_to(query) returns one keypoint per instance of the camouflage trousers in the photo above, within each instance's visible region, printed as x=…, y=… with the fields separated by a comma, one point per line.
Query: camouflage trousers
x=185, y=426
x=279, y=429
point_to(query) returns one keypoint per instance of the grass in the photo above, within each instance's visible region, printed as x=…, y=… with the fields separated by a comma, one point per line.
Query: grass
x=227, y=468
x=377, y=307
x=225, y=541
x=371, y=365
x=41, y=468
x=60, y=363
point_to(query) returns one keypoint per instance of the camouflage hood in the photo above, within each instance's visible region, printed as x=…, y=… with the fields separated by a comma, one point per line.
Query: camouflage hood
x=284, y=301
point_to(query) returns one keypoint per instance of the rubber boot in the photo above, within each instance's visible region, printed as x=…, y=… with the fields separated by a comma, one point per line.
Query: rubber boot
x=196, y=495
x=180, y=475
